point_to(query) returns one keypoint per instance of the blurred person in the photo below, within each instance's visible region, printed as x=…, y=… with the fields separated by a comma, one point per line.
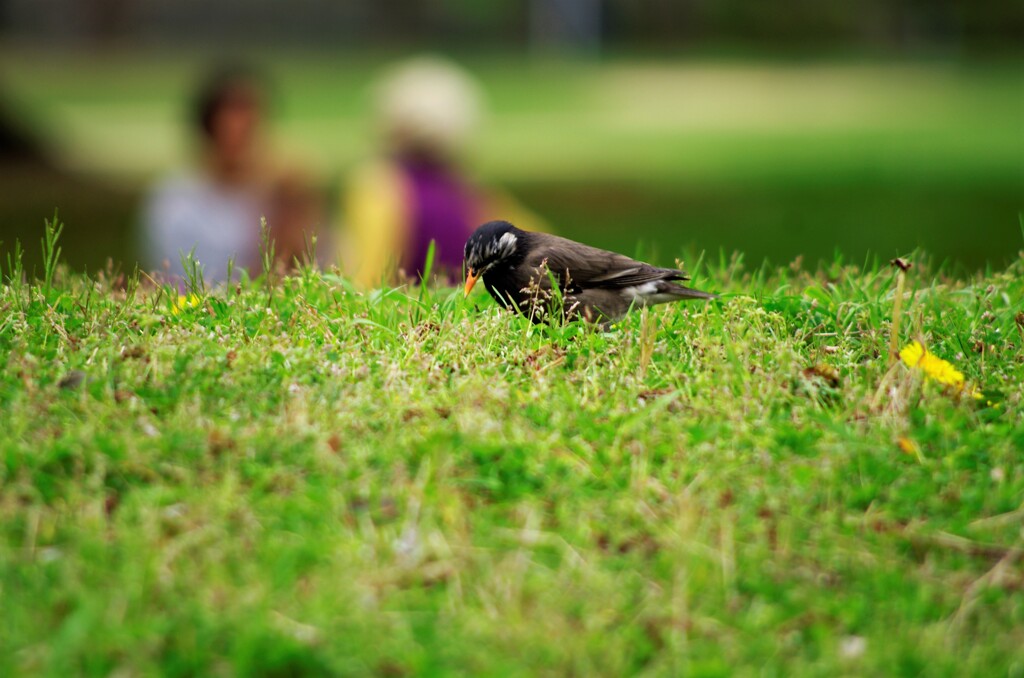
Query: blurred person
x=215, y=208
x=418, y=191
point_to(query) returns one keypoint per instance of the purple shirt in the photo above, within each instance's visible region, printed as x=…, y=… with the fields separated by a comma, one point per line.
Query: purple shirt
x=443, y=208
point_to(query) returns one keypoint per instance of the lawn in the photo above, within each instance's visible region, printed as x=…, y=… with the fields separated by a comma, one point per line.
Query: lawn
x=291, y=477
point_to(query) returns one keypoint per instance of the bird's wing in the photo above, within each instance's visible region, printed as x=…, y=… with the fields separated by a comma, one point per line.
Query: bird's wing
x=590, y=267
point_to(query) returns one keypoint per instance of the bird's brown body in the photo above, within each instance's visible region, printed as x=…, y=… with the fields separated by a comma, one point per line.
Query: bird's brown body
x=523, y=270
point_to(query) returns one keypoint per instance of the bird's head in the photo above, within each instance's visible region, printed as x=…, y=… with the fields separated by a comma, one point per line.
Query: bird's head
x=491, y=244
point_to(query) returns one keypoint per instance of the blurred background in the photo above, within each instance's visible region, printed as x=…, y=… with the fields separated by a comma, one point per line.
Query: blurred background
x=653, y=127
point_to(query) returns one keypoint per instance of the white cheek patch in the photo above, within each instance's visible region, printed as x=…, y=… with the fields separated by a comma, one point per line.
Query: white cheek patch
x=504, y=247
x=507, y=244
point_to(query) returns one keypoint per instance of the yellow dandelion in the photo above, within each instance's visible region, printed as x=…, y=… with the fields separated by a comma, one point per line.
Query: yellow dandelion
x=915, y=355
x=184, y=302
x=908, y=446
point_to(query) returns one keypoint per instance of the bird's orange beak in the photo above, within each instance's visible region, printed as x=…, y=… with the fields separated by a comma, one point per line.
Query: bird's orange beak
x=470, y=280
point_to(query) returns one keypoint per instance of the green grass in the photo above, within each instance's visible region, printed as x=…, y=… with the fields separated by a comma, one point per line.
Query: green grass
x=294, y=478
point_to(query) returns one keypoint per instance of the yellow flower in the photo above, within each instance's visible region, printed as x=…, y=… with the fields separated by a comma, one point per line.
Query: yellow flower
x=908, y=446
x=183, y=302
x=916, y=355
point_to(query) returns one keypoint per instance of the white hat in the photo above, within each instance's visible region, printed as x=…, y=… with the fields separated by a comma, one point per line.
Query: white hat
x=430, y=104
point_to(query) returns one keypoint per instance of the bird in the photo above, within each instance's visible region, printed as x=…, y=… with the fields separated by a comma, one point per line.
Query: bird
x=521, y=270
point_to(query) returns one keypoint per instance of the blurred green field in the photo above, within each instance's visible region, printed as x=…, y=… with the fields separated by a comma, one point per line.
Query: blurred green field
x=778, y=159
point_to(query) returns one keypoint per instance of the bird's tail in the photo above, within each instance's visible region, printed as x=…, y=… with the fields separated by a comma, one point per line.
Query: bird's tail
x=680, y=292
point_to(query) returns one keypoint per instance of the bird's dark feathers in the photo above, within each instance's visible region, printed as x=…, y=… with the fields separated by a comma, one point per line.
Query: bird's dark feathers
x=588, y=266
x=518, y=268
